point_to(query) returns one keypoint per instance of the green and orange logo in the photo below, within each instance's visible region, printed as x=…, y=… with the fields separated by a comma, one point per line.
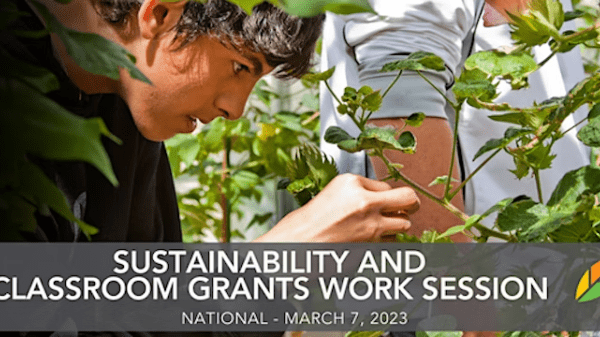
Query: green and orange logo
x=589, y=286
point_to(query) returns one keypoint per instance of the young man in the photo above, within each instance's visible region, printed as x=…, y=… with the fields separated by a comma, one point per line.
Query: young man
x=203, y=61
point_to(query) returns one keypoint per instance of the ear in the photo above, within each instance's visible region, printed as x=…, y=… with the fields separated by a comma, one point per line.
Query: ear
x=159, y=16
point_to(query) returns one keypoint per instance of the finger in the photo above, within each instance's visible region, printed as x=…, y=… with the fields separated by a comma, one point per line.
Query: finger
x=392, y=225
x=373, y=185
x=397, y=200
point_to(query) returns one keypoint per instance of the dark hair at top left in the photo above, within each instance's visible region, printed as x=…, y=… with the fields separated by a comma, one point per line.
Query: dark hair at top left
x=286, y=41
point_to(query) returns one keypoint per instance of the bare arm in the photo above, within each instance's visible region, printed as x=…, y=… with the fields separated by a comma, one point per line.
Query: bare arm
x=431, y=160
x=350, y=209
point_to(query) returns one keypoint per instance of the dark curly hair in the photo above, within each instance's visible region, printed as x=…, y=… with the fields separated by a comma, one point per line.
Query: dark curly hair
x=287, y=42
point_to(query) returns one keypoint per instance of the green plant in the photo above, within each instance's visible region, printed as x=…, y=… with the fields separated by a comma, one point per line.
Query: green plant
x=35, y=128
x=233, y=162
x=571, y=212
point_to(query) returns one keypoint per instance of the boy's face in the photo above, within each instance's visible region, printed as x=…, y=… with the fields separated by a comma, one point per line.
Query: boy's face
x=202, y=81
x=495, y=11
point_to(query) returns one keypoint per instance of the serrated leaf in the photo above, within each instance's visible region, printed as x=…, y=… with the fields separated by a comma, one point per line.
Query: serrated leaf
x=308, y=8
x=335, y=135
x=49, y=131
x=372, y=101
x=315, y=78
x=415, y=119
x=416, y=61
x=92, y=52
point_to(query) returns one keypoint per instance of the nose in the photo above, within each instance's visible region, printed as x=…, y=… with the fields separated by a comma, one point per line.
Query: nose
x=232, y=100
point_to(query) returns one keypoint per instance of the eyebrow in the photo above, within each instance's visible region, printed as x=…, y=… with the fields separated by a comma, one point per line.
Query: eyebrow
x=257, y=65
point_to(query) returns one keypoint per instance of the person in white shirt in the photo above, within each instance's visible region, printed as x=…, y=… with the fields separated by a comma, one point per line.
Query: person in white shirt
x=360, y=44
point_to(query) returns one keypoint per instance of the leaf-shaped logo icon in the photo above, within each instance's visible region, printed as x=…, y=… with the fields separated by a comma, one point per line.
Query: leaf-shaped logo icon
x=589, y=286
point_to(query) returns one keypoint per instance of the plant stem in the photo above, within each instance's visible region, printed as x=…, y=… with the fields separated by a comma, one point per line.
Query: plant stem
x=225, y=224
x=574, y=126
x=538, y=184
x=447, y=205
x=547, y=59
x=392, y=84
x=452, y=159
x=470, y=176
x=332, y=93
x=490, y=232
x=437, y=89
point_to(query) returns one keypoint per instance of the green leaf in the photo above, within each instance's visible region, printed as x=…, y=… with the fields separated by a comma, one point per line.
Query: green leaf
x=245, y=179
x=590, y=133
x=186, y=147
x=39, y=126
x=259, y=219
x=419, y=60
x=482, y=90
x=364, y=334
x=372, y=101
x=572, y=15
x=315, y=78
x=335, y=135
x=39, y=189
x=441, y=181
x=512, y=67
x=39, y=78
x=492, y=144
x=307, y=8
x=92, y=52
x=246, y=5
x=431, y=236
x=9, y=12
x=520, y=214
x=415, y=119
x=594, y=112
x=535, y=27
x=300, y=185
x=574, y=184
x=383, y=138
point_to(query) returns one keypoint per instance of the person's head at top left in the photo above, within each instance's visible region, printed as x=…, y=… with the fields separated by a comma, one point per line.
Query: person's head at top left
x=202, y=59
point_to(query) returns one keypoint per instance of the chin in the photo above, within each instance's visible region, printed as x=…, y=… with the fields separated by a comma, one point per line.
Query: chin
x=154, y=136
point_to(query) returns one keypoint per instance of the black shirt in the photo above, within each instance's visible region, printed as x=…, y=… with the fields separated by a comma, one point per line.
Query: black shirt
x=143, y=208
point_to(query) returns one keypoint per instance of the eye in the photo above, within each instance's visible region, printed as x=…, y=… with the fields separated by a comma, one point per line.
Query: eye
x=239, y=67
